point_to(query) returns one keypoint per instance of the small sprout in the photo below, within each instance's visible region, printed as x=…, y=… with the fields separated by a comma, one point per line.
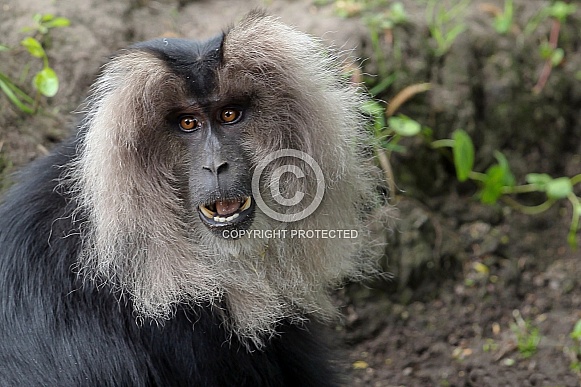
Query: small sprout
x=576, y=333
x=46, y=82
x=44, y=22
x=51, y=21
x=463, y=152
x=445, y=23
x=528, y=337
x=559, y=188
x=497, y=177
x=575, y=350
x=404, y=125
x=18, y=97
x=538, y=179
x=348, y=8
x=560, y=10
x=489, y=345
x=557, y=56
x=397, y=13
x=372, y=108
x=375, y=110
x=503, y=21
x=34, y=47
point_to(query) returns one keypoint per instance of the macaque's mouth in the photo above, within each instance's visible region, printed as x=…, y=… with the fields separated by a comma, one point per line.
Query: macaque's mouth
x=226, y=213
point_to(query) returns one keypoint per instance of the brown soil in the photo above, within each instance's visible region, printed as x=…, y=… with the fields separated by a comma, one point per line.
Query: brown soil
x=463, y=273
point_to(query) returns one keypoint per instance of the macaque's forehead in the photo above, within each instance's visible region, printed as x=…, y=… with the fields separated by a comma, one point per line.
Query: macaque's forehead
x=196, y=62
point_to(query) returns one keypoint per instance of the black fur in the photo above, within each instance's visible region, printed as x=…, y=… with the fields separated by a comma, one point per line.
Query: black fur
x=193, y=60
x=56, y=330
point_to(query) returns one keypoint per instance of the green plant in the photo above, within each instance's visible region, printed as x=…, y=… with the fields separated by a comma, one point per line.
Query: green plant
x=348, y=8
x=528, y=336
x=445, y=23
x=490, y=345
x=496, y=183
x=381, y=17
x=381, y=24
x=45, y=81
x=558, y=10
x=18, y=97
x=575, y=350
x=503, y=21
x=44, y=22
x=549, y=50
x=388, y=19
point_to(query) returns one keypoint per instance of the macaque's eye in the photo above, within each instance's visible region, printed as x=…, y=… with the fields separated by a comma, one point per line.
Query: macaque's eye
x=189, y=123
x=230, y=115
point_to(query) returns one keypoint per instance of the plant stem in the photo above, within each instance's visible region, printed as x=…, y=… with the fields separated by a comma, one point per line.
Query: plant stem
x=527, y=188
x=576, y=179
x=387, y=171
x=571, y=239
x=529, y=210
x=546, y=72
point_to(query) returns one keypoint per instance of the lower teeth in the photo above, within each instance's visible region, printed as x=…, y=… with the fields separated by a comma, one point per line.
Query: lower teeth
x=210, y=214
x=224, y=220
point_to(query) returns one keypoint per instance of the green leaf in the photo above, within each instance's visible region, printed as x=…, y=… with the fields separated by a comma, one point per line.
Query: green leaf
x=453, y=33
x=559, y=188
x=502, y=25
x=33, y=46
x=576, y=333
x=538, y=179
x=10, y=93
x=373, y=108
x=404, y=126
x=58, y=22
x=19, y=93
x=492, y=189
x=463, y=152
x=383, y=85
x=503, y=162
x=557, y=56
x=503, y=22
x=498, y=176
x=46, y=82
x=545, y=50
x=397, y=13
x=560, y=10
x=46, y=17
x=4, y=48
x=392, y=147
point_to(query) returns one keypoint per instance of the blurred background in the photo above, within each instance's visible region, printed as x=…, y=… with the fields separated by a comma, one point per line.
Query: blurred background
x=476, y=119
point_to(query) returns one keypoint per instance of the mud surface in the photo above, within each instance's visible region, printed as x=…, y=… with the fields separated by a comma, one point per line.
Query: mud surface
x=468, y=280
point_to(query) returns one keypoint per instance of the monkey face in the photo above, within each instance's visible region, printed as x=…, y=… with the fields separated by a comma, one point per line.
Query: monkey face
x=209, y=126
x=218, y=173
x=223, y=112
